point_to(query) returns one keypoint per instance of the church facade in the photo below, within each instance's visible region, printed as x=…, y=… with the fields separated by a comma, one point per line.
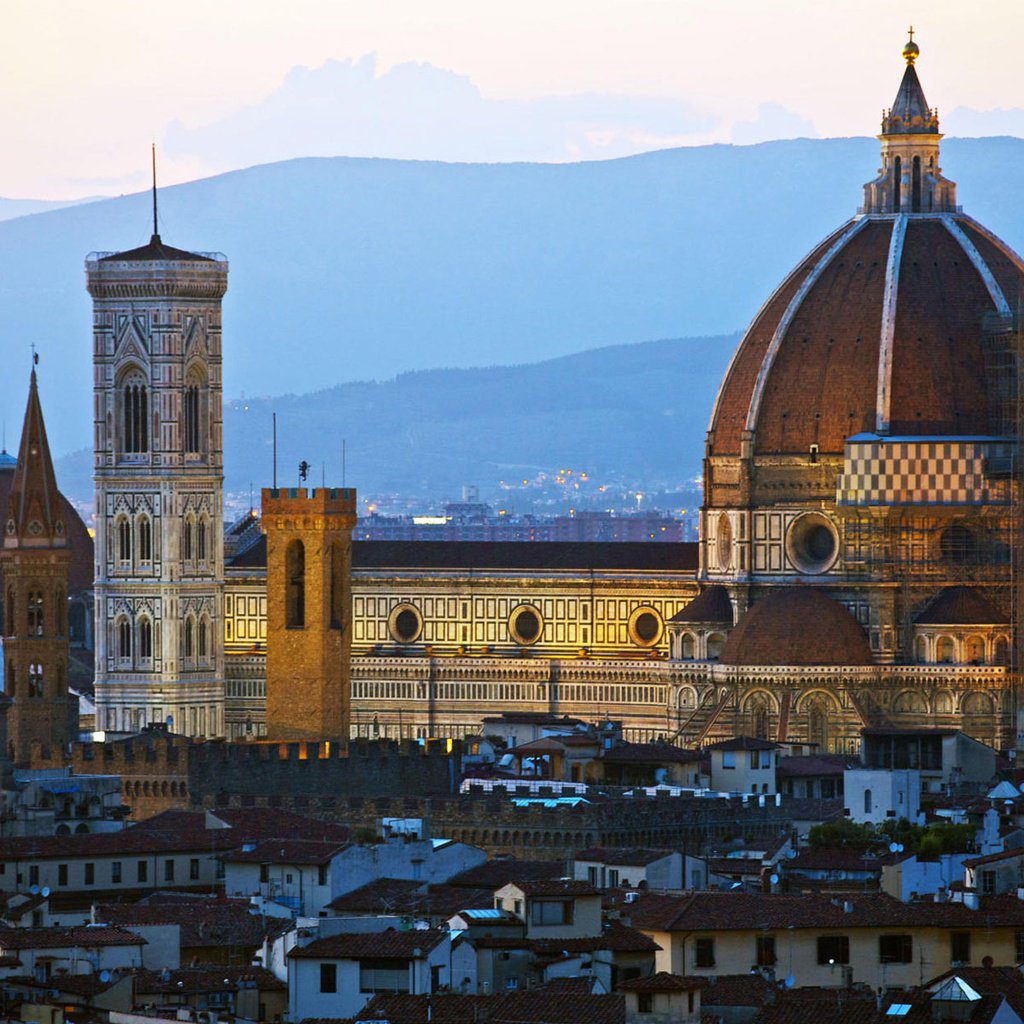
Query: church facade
x=858, y=561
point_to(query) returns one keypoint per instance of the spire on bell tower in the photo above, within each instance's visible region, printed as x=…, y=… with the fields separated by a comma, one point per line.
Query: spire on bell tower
x=910, y=179
x=34, y=508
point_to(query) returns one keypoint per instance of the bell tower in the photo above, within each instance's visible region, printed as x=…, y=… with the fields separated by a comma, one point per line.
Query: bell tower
x=35, y=559
x=158, y=474
x=309, y=616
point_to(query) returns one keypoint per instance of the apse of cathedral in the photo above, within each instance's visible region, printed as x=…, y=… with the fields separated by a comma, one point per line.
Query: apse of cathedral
x=857, y=566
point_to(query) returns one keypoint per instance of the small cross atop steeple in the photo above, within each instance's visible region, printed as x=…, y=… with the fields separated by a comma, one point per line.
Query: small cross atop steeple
x=911, y=51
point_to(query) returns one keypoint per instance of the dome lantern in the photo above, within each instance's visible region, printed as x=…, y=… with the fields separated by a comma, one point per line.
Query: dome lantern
x=910, y=179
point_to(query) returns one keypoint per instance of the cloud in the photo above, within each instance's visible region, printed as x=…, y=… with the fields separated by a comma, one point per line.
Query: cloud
x=969, y=123
x=417, y=111
x=773, y=121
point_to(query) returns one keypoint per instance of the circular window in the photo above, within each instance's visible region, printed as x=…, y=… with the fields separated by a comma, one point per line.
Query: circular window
x=958, y=545
x=645, y=627
x=405, y=624
x=812, y=543
x=525, y=624
x=724, y=541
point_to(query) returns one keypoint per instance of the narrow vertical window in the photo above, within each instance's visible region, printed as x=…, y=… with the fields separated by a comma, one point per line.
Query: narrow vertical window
x=204, y=629
x=124, y=639
x=201, y=540
x=337, y=586
x=35, y=613
x=124, y=540
x=295, y=585
x=186, y=540
x=145, y=540
x=135, y=410
x=189, y=637
x=35, y=680
x=897, y=184
x=145, y=640
x=915, y=194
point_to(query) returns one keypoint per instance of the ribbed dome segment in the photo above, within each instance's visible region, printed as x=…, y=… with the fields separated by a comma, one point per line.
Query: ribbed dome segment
x=961, y=606
x=880, y=329
x=797, y=625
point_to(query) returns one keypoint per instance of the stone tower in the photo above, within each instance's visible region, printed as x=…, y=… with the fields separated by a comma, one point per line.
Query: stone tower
x=158, y=472
x=36, y=558
x=309, y=620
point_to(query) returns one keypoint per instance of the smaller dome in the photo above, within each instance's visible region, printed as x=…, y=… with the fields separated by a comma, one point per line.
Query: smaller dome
x=797, y=625
x=7, y=461
x=711, y=605
x=961, y=606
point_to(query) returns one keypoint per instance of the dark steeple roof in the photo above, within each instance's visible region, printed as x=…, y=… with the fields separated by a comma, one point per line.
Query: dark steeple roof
x=910, y=113
x=35, y=510
x=710, y=605
x=155, y=250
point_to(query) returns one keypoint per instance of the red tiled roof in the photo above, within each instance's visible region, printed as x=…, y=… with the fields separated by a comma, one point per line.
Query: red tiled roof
x=738, y=990
x=796, y=625
x=493, y=874
x=650, y=753
x=204, y=921
x=961, y=606
x=539, y=1007
x=386, y=945
x=664, y=982
x=711, y=605
x=725, y=911
x=813, y=765
x=743, y=743
x=556, y=887
x=82, y=936
x=618, y=938
x=994, y=858
x=398, y=896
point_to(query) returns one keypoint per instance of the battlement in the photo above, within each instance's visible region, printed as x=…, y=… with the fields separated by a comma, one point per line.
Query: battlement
x=298, y=501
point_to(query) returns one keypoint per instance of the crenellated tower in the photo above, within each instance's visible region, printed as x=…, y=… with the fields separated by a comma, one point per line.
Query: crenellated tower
x=35, y=557
x=309, y=612
x=158, y=473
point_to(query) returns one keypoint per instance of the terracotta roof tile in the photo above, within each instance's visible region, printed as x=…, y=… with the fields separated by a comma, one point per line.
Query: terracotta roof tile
x=386, y=945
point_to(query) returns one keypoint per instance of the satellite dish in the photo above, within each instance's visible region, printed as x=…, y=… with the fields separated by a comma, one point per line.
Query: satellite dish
x=165, y=975
x=899, y=847
x=893, y=847
x=790, y=981
x=45, y=892
x=34, y=889
x=169, y=721
x=790, y=854
x=104, y=976
x=774, y=879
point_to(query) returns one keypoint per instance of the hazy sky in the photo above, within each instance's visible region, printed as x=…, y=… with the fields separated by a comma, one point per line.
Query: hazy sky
x=220, y=84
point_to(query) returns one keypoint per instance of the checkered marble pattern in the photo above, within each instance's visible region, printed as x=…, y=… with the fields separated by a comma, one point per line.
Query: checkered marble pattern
x=925, y=471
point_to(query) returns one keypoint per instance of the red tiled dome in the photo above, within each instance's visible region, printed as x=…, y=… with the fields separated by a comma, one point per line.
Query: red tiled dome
x=961, y=606
x=797, y=625
x=808, y=371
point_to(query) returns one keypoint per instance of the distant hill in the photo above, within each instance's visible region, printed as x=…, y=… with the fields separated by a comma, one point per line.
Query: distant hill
x=355, y=269
x=10, y=208
x=635, y=412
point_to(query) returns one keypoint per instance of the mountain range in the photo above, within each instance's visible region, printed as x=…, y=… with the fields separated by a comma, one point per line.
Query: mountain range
x=346, y=270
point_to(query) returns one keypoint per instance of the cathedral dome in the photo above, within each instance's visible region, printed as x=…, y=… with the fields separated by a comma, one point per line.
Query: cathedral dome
x=961, y=606
x=882, y=328
x=796, y=625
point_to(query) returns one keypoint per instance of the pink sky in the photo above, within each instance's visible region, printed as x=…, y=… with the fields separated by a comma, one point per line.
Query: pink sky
x=86, y=87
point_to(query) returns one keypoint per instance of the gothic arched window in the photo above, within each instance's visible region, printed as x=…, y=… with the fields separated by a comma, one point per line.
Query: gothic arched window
x=145, y=539
x=35, y=680
x=201, y=539
x=190, y=646
x=124, y=639
x=145, y=640
x=186, y=540
x=35, y=613
x=193, y=413
x=295, y=585
x=204, y=632
x=135, y=411
x=124, y=540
